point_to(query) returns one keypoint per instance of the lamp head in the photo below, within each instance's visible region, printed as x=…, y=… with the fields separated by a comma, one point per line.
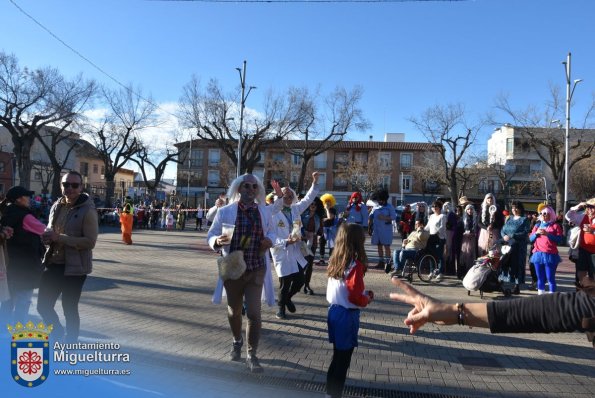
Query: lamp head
x=577, y=81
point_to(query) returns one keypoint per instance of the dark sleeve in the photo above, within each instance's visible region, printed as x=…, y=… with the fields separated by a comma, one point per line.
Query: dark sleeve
x=548, y=313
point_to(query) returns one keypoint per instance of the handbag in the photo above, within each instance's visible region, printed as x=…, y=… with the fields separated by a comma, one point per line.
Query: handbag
x=231, y=266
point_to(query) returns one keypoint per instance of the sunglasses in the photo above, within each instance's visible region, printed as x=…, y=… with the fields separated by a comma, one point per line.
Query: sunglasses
x=248, y=186
x=73, y=185
x=545, y=214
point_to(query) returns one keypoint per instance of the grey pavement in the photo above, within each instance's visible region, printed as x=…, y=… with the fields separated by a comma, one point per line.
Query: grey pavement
x=154, y=299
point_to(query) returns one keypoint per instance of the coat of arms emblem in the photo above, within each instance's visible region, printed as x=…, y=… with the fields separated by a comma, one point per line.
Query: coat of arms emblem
x=29, y=353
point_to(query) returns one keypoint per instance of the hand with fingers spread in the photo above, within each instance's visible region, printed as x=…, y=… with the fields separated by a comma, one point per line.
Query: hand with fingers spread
x=427, y=309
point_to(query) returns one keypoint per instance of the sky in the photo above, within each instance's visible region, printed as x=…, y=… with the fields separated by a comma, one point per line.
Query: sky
x=406, y=55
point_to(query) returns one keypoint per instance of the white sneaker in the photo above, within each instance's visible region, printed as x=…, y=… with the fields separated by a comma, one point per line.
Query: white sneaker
x=438, y=277
x=540, y=292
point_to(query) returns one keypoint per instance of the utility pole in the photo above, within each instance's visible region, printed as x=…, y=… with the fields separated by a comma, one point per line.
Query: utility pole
x=245, y=95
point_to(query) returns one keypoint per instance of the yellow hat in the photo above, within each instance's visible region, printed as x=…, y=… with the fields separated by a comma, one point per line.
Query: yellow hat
x=540, y=207
x=327, y=197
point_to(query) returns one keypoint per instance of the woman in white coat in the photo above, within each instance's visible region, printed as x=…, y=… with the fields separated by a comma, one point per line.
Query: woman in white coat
x=286, y=252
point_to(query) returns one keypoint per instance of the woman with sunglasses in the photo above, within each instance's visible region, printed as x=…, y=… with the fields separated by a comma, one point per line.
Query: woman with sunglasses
x=583, y=216
x=546, y=236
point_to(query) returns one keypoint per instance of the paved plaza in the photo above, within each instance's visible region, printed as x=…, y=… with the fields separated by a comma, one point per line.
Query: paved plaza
x=154, y=299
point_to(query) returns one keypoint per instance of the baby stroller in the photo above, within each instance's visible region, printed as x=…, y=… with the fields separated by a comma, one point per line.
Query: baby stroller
x=483, y=275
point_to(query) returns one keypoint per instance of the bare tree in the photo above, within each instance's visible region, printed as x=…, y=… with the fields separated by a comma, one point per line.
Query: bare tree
x=46, y=174
x=547, y=141
x=153, y=162
x=325, y=124
x=446, y=128
x=32, y=100
x=117, y=136
x=581, y=179
x=214, y=116
x=363, y=176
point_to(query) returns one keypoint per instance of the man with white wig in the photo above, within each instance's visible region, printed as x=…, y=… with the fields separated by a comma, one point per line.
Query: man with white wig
x=287, y=253
x=253, y=234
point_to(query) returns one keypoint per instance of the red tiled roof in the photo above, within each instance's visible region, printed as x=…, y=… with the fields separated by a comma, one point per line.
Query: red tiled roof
x=343, y=145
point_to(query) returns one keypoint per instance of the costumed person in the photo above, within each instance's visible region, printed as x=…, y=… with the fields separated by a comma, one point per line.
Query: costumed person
x=346, y=294
x=330, y=221
x=251, y=237
x=356, y=211
x=312, y=229
x=287, y=251
x=546, y=235
x=381, y=225
x=469, y=241
x=126, y=221
x=406, y=222
x=583, y=216
x=515, y=233
x=490, y=222
x=451, y=227
x=170, y=220
x=421, y=213
x=24, y=253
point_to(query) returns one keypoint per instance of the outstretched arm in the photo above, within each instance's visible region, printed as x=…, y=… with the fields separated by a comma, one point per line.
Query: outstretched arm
x=427, y=309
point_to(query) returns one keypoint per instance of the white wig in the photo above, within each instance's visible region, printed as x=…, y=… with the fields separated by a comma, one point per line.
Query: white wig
x=233, y=193
x=294, y=200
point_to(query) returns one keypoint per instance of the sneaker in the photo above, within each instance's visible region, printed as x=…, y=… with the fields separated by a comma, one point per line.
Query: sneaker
x=437, y=277
x=253, y=365
x=236, y=351
x=290, y=306
x=388, y=267
x=281, y=313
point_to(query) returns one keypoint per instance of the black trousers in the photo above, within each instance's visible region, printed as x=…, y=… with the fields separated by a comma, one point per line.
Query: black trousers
x=337, y=372
x=53, y=284
x=308, y=270
x=290, y=285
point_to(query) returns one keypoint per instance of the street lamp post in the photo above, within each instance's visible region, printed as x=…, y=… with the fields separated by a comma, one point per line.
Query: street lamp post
x=569, y=93
x=242, y=105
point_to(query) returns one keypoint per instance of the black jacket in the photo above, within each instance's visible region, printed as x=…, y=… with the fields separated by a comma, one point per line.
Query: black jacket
x=25, y=251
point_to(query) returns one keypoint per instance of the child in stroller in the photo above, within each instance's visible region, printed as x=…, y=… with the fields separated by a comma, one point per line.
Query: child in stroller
x=483, y=275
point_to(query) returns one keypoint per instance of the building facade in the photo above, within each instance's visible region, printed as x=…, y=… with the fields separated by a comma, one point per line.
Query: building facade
x=390, y=163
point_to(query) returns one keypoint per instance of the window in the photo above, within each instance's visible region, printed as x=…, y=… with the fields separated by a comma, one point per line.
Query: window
x=322, y=181
x=341, y=158
x=385, y=182
x=361, y=157
x=320, y=161
x=407, y=183
x=102, y=170
x=95, y=168
x=37, y=176
x=278, y=157
x=384, y=160
x=261, y=160
x=296, y=159
x=522, y=169
x=196, y=159
x=340, y=182
x=213, y=178
x=84, y=168
x=406, y=160
x=277, y=175
x=2, y=167
x=214, y=160
x=509, y=146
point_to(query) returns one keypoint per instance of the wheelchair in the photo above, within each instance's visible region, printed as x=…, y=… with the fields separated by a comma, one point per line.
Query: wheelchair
x=423, y=264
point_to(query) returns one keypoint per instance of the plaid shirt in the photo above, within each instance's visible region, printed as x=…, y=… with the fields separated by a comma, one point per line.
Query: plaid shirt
x=248, y=224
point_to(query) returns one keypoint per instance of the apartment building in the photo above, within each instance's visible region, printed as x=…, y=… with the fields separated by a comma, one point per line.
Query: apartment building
x=208, y=170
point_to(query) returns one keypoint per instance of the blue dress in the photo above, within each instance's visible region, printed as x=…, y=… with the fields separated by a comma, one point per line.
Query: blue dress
x=382, y=230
